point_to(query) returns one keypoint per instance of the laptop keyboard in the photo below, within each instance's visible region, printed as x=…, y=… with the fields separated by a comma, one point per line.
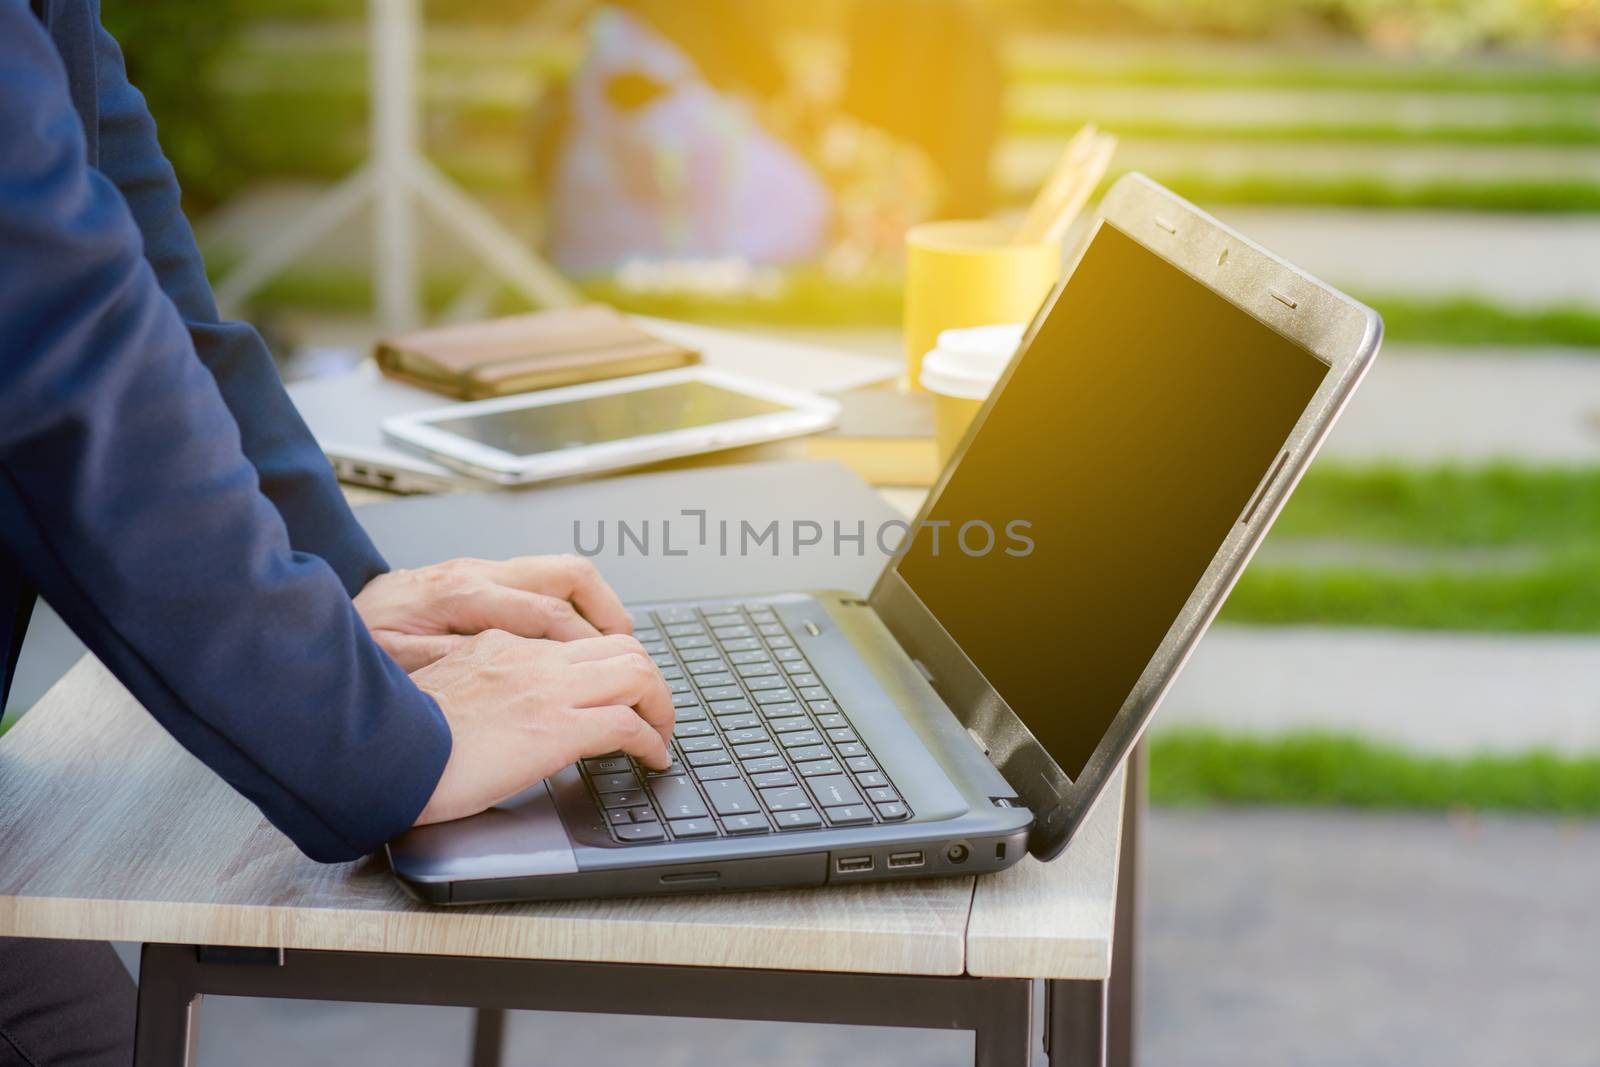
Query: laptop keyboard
x=760, y=745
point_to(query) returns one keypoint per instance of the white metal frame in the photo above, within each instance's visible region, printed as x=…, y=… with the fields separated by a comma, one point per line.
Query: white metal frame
x=396, y=173
x=806, y=413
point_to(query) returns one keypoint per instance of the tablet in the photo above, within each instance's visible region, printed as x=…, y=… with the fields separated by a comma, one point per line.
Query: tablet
x=605, y=426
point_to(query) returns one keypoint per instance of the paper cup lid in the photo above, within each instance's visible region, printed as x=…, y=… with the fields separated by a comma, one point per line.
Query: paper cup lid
x=969, y=361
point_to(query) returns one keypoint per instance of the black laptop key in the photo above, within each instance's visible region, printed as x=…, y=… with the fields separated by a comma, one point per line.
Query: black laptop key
x=804, y=819
x=809, y=752
x=848, y=814
x=613, y=783
x=679, y=613
x=708, y=666
x=618, y=816
x=678, y=797
x=680, y=685
x=882, y=794
x=746, y=824
x=707, y=681
x=785, y=799
x=789, y=724
x=740, y=644
x=631, y=798
x=758, y=750
x=827, y=707
x=813, y=692
x=640, y=831
x=778, y=711
x=765, y=765
x=842, y=734
x=780, y=642
x=607, y=764
x=682, y=629
x=860, y=764
x=738, y=722
x=693, y=655
x=796, y=665
x=851, y=748
x=728, y=707
x=831, y=720
x=662, y=659
x=757, y=670
x=773, y=629
x=694, y=714
x=693, y=828
x=731, y=797
x=722, y=692
x=716, y=772
x=754, y=656
x=788, y=655
x=684, y=700
x=820, y=766
x=643, y=814
x=692, y=729
x=701, y=744
x=655, y=648
x=871, y=780
x=745, y=737
x=772, y=779
x=893, y=811
x=801, y=737
x=833, y=790
x=804, y=678
x=766, y=681
x=705, y=759
x=732, y=630
x=693, y=641
x=774, y=696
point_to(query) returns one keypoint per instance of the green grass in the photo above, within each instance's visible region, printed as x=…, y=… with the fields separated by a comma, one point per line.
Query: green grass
x=1200, y=767
x=1419, y=76
x=1471, y=321
x=1579, y=130
x=1560, y=596
x=1446, y=506
x=1555, y=513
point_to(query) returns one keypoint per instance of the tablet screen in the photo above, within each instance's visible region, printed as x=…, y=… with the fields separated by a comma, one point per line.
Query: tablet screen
x=1130, y=439
x=610, y=417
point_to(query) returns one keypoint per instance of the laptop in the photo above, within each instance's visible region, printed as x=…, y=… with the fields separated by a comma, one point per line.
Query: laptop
x=1163, y=404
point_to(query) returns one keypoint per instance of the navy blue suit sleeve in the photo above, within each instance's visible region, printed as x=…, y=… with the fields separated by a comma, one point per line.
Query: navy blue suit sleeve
x=128, y=502
x=294, y=473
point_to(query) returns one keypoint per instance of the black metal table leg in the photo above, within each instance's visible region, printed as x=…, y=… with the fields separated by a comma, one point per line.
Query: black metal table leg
x=997, y=1010
x=1124, y=987
x=488, y=1037
x=1075, y=1022
x=169, y=1007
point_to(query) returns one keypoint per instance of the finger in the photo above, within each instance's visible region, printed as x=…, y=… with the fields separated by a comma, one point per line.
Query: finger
x=601, y=648
x=415, y=651
x=499, y=607
x=632, y=680
x=572, y=578
x=615, y=728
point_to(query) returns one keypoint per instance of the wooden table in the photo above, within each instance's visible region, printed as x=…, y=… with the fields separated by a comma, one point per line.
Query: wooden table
x=109, y=830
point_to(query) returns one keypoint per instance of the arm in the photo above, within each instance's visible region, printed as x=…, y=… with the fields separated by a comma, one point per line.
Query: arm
x=127, y=499
x=291, y=468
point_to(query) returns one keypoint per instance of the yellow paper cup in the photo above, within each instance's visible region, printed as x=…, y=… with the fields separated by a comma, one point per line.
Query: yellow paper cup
x=962, y=274
x=961, y=372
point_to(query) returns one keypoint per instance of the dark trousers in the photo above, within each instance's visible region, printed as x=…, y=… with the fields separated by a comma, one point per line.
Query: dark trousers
x=64, y=1004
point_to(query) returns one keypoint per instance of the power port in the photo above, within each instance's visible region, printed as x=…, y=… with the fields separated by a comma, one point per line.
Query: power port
x=853, y=864
x=957, y=853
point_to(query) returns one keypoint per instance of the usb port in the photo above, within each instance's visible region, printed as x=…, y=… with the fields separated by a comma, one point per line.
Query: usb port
x=905, y=859
x=852, y=864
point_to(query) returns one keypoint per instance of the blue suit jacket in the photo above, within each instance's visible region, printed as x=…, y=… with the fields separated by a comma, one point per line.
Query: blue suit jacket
x=156, y=485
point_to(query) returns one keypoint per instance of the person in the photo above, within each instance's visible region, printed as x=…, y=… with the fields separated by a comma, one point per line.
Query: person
x=159, y=491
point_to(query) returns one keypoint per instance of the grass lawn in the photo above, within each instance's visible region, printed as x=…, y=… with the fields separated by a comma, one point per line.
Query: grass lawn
x=1555, y=513
x=1200, y=767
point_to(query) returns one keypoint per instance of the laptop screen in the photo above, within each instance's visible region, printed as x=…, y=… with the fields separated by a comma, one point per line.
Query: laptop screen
x=1129, y=440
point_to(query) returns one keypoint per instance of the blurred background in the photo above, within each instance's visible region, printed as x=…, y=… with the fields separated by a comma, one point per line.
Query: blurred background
x=1374, y=834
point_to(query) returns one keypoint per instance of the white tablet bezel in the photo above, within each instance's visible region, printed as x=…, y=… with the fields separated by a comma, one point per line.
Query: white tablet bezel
x=806, y=413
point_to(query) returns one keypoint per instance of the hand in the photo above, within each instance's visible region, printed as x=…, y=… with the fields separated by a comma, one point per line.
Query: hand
x=419, y=615
x=520, y=710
